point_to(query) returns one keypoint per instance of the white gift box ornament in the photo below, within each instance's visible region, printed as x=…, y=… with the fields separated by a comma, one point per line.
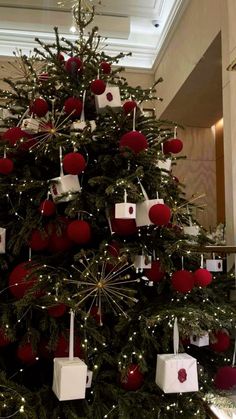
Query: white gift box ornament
x=142, y=262
x=69, y=374
x=200, y=340
x=214, y=265
x=111, y=97
x=192, y=230
x=176, y=373
x=142, y=209
x=2, y=240
x=125, y=210
x=30, y=125
x=164, y=165
x=63, y=187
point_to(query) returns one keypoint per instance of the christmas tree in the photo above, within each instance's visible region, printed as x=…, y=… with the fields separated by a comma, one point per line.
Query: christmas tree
x=99, y=245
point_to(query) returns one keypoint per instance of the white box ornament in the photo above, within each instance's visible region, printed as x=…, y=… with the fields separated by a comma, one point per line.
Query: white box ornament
x=142, y=209
x=200, y=340
x=164, y=165
x=125, y=210
x=69, y=374
x=65, y=184
x=142, y=262
x=2, y=240
x=30, y=125
x=214, y=265
x=78, y=126
x=192, y=230
x=176, y=373
x=111, y=97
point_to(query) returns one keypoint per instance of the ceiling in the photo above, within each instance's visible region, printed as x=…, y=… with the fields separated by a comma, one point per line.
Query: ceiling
x=142, y=27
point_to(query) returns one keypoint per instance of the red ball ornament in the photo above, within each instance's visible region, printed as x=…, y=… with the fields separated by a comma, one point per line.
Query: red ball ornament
x=133, y=378
x=220, y=342
x=4, y=341
x=123, y=227
x=47, y=208
x=129, y=106
x=155, y=274
x=74, y=163
x=174, y=146
x=62, y=348
x=160, y=214
x=6, y=166
x=43, y=77
x=225, y=378
x=19, y=282
x=73, y=106
x=26, y=354
x=57, y=310
x=59, y=242
x=12, y=135
x=134, y=140
x=98, y=87
x=182, y=281
x=202, y=277
x=79, y=231
x=73, y=65
x=39, y=107
x=113, y=248
x=105, y=67
x=39, y=240
x=60, y=57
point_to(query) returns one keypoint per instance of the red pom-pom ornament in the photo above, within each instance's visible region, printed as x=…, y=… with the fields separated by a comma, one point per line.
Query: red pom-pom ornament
x=19, y=284
x=12, y=135
x=105, y=67
x=221, y=341
x=57, y=310
x=133, y=378
x=73, y=65
x=129, y=106
x=39, y=107
x=113, y=249
x=134, y=140
x=74, y=163
x=39, y=240
x=73, y=106
x=182, y=281
x=155, y=274
x=6, y=166
x=60, y=57
x=47, y=208
x=58, y=239
x=160, y=214
x=79, y=231
x=202, y=277
x=4, y=341
x=62, y=348
x=123, y=227
x=26, y=354
x=98, y=87
x=173, y=146
x=225, y=378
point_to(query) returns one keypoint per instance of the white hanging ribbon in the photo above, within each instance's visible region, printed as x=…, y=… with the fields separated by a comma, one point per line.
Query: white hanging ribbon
x=134, y=116
x=125, y=196
x=234, y=354
x=82, y=116
x=190, y=219
x=71, y=340
x=143, y=191
x=182, y=262
x=202, y=262
x=175, y=132
x=176, y=337
x=61, y=162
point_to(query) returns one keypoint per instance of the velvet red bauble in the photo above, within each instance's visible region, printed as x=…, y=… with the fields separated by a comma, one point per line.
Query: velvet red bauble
x=4, y=341
x=39, y=107
x=27, y=143
x=155, y=274
x=62, y=348
x=19, y=276
x=73, y=106
x=79, y=231
x=26, y=354
x=43, y=77
x=60, y=57
x=39, y=240
x=123, y=227
x=73, y=65
x=47, y=208
x=182, y=281
x=74, y=163
x=160, y=214
x=59, y=242
x=221, y=341
x=174, y=146
x=113, y=248
x=202, y=277
x=12, y=135
x=98, y=87
x=6, y=166
x=133, y=379
x=225, y=378
x=135, y=141
x=129, y=106
x=57, y=310
x=106, y=67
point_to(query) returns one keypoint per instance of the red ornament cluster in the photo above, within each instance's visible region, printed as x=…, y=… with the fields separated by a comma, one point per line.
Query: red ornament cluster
x=182, y=281
x=73, y=106
x=133, y=378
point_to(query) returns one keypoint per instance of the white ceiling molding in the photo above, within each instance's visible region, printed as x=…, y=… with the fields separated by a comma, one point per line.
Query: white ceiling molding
x=127, y=25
